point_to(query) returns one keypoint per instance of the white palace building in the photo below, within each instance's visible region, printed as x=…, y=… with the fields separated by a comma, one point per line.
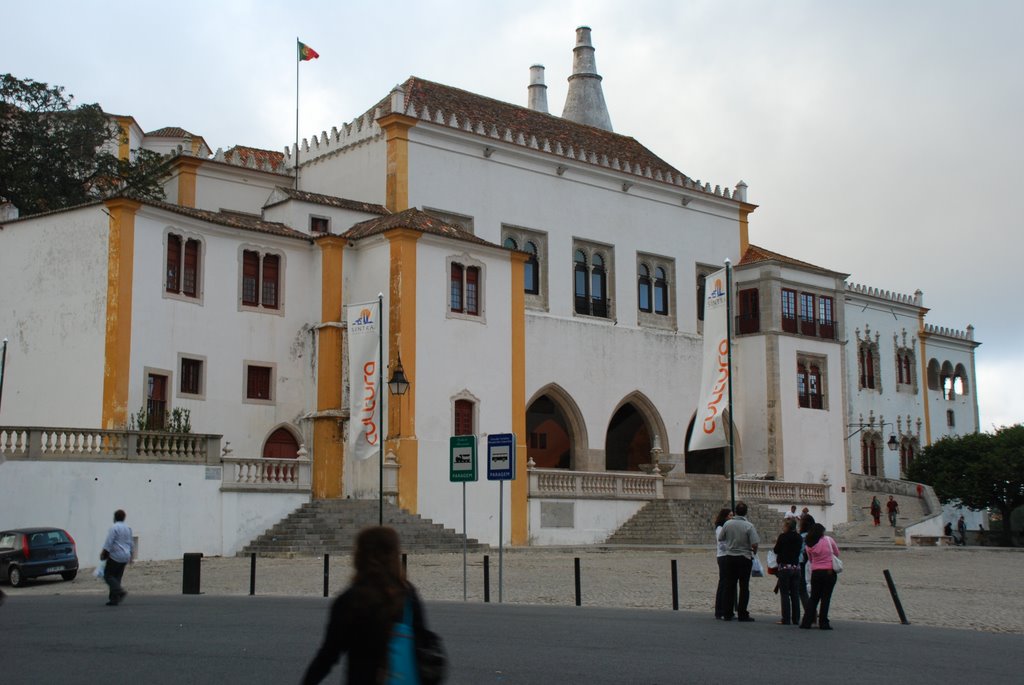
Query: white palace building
x=542, y=275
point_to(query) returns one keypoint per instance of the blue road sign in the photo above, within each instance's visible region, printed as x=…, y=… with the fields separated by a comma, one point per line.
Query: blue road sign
x=501, y=456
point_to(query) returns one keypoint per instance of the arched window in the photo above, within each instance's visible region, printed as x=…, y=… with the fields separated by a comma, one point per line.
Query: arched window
x=281, y=445
x=906, y=455
x=531, y=270
x=456, y=287
x=511, y=244
x=869, y=450
x=582, y=285
x=660, y=291
x=809, y=388
x=643, y=288
x=598, y=287
x=464, y=295
x=866, y=361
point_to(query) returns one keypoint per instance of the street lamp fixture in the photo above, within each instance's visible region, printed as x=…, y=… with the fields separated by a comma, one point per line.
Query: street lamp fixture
x=399, y=384
x=892, y=443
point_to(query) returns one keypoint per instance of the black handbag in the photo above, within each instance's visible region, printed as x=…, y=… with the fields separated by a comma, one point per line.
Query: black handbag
x=431, y=660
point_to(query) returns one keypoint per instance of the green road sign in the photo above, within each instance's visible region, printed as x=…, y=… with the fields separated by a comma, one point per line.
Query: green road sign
x=463, y=458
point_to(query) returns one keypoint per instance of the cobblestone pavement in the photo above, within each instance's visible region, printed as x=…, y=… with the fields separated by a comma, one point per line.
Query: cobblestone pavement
x=973, y=588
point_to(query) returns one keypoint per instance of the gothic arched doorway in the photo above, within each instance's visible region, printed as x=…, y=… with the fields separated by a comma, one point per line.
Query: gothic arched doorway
x=627, y=443
x=549, y=438
x=281, y=445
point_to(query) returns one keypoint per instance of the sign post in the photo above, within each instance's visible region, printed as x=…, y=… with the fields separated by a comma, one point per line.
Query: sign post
x=463, y=469
x=501, y=466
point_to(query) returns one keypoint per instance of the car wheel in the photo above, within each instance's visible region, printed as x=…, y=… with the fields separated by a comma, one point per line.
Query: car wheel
x=69, y=575
x=15, y=577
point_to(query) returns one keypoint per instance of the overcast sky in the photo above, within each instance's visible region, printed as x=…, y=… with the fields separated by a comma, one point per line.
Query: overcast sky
x=880, y=138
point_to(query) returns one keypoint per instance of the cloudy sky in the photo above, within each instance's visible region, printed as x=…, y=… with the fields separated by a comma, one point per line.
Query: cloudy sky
x=880, y=138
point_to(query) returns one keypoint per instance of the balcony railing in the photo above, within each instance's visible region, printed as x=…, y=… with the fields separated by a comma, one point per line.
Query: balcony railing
x=88, y=444
x=559, y=483
x=258, y=473
x=781, y=492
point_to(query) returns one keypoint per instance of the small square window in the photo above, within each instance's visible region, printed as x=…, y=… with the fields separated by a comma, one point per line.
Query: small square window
x=319, y=224
x=259, y=383
x=191, y=377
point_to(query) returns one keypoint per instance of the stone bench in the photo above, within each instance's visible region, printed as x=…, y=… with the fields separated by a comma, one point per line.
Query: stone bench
x=931, y=540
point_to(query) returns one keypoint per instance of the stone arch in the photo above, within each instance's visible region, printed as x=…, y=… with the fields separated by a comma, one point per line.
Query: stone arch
x=635, y=427
x=556, y=432
x=713, y=461
x=960, y=385
x=946, y=380
x=282, y=442
x=933, y=374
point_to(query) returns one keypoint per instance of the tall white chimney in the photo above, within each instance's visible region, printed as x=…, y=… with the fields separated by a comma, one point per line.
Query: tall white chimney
x=538, y=92
x=584, y=103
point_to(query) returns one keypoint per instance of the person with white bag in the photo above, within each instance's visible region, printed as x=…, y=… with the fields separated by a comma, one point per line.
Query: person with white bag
x=823, y=559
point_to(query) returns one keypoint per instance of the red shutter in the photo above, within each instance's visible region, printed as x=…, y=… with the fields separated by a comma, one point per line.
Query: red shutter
x=258, y=383
x=788, y=310
x=749, y=319
x=190, y=281
x=250, y=278
x=271, y=269
x=463, y=417
x=173, y=284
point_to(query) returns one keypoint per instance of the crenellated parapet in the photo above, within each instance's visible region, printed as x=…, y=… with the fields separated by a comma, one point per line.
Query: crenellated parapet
x=358, y=131
x=950, y=332
x=245, y=158
x=917, y=299
x=496, y=121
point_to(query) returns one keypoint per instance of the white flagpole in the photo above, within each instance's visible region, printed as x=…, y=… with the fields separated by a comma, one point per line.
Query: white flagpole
x=298, y=59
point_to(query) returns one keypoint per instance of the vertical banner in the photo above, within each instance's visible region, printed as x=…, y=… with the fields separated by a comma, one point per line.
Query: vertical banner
x=364, y=362
x=709, y=428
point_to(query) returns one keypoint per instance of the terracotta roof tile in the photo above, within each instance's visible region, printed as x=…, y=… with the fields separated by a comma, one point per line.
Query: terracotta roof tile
x=333, y=201
x=240, y=154
x=169, y=132
x=755, y=254
x=483, y=113
x=231, y=219
x=416, y=220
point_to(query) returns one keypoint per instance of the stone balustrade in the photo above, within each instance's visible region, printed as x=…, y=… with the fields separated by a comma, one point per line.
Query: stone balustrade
x=559, y=483
x=91, y=444
x=266, y=474
x=782, y=492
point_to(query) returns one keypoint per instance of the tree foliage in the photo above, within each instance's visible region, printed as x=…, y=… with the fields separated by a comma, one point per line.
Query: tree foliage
x=54, y=156
x=980, y=470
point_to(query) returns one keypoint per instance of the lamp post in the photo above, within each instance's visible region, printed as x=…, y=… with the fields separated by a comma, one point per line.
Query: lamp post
x=398, y=384
x=891, y=442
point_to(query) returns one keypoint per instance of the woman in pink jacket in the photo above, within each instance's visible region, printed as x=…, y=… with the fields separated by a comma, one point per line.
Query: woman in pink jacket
x=820, y=549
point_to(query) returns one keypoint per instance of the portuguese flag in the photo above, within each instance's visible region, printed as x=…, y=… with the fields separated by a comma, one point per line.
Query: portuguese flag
x=306, y=52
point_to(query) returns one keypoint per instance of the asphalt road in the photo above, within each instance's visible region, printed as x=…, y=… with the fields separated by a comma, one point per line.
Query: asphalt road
x=207, y=639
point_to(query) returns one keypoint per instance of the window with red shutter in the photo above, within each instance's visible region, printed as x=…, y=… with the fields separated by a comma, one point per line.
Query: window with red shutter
x=455, y=292
x=173, y=284
x=190, y=274
x=807, y=314
x=258, y=382
x=250, y=278
x=749, y=319
x=463, y=417
x=270, y=280
x=472, y=290
x=191, y=376
x=788, y=310
x=814, y=387
x=826, y=325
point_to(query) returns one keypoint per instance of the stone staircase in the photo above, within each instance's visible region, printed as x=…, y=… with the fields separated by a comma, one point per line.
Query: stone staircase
x=330, y=526
x=861, y=528
x=688, y=522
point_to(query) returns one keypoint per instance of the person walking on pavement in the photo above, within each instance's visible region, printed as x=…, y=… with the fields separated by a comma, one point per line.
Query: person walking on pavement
x=820, y=549
x=961, y=527
x=893, y=508
x=741, y=541
x=876, y=510
x=117, y=552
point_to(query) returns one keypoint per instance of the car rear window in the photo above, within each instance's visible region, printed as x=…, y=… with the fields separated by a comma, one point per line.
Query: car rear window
x=8, y=540
x=49, y=537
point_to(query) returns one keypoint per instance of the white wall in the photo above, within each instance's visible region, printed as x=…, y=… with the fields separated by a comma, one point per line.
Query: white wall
x=53, y=303
x=172, y=509
x=593, y=521
x=225, y=186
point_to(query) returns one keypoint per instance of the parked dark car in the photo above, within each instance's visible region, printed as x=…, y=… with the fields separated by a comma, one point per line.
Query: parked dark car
x=28, y=553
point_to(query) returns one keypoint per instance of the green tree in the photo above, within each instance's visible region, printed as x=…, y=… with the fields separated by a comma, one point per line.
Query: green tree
x=980, y=470
x=54, y=156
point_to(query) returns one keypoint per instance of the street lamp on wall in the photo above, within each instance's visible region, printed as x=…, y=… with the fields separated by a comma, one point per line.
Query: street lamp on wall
x=891, y=442
x=398, y=384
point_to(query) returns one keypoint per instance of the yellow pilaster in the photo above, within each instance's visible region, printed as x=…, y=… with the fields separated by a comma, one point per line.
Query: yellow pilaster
x=123, y=146
x=187, y=168
x=923, y=380
x=745, y=212
x=328, y=443
x=402, y=343
x=520, y=486
x=118, y=342
x=396, y=133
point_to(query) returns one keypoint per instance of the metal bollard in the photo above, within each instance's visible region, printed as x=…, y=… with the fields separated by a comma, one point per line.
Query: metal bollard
x=576, y=564
x=252, y=574
x=487, y=578
x=327, y=573
x=190, y=573
x=675, y=586
x=895, y=597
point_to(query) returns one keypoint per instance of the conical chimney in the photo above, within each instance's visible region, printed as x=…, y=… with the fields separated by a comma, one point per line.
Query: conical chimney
x=584, y=103
x=538, y=93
